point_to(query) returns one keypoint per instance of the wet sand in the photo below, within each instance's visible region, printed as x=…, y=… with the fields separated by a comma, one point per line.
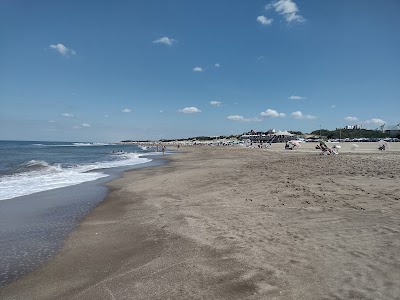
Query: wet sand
x=237, y=223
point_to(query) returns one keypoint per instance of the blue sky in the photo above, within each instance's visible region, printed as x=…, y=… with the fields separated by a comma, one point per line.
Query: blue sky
x=112, y=70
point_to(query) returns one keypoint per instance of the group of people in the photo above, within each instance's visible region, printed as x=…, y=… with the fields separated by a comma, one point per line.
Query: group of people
x=291, y=145
x=163, y=148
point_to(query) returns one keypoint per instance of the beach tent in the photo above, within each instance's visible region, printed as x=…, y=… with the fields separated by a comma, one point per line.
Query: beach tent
x=283, y=133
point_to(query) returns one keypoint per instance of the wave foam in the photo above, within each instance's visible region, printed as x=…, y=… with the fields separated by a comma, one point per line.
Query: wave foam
x=38, y=176
x=38, y=165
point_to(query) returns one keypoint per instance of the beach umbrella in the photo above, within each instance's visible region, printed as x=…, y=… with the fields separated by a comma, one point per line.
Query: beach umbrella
x=383, y=145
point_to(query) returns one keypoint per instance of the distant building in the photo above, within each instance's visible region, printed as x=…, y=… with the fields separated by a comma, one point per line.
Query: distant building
x=353, y=127
x=271, y=135
x=257, y=136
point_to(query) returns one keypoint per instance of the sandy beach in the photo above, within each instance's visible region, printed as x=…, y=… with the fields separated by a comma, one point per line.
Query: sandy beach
x=237, y=223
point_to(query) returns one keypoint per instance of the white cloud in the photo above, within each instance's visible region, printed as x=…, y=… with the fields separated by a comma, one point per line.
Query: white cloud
x=105, y=116
x=60, y=48
x=67, y=115
x=86, y=125
x=242, y=119
x=189, y=110
x=217, y=65
x=375, y=121
x=198, y=69
x=127, y=110
x=351, y=119
x=299, y=115
x=296, y=98
x=288, y=9
x=165, y=40
x=215, y=103
x=264, y=20
x=333, y=106
x=161, y=111
x=271, y=113
x=235, y=118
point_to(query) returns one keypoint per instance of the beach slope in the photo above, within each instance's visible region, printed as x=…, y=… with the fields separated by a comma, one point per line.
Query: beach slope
x=236, y=223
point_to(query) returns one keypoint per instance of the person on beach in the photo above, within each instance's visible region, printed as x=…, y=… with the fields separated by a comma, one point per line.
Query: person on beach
x=323, y=147
x=335, y=149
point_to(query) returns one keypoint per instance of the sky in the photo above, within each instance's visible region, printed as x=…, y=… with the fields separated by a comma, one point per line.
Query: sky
x=106, y=71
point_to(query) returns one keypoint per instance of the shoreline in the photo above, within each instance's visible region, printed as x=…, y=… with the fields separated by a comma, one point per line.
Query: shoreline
x=234, y=223
x=34, y=227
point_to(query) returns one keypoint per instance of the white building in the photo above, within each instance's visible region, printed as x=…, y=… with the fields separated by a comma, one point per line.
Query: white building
x=353, y=127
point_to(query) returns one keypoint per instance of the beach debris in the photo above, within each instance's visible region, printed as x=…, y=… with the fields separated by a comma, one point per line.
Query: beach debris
x=354, y=147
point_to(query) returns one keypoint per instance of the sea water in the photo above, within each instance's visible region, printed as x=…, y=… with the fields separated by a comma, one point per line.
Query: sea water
x=46, y=188
x=31, y=167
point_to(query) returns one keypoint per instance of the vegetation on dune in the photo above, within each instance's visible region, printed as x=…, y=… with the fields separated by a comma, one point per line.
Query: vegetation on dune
x=350, y=133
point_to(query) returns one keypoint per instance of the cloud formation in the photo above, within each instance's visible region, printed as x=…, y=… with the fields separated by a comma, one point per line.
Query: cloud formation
x=351, y=119
x=67, y=115
x=271, y=113
x=217, y=65
x=299, y=115
x=215, y=103
x=198, y=69
x=264, y=20
x=165, y=40
x=288, y=9
x=64, y=51
x=242, y=119
x=296, y=98
x=126, y=110
x=86, y=125
x=189, y=110
x=375, y=121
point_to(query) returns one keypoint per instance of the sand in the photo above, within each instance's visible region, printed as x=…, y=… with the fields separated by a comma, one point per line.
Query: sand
x=237, y=223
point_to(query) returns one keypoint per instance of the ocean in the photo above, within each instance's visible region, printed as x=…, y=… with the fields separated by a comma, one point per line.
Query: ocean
x=46, y=188
x=31, y=167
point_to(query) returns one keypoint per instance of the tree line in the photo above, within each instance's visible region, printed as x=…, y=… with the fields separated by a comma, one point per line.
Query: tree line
x=350, y=133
